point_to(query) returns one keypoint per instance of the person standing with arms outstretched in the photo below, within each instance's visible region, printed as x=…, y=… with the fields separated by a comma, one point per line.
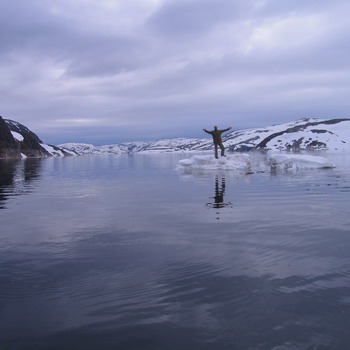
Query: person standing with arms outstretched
x=216, y=133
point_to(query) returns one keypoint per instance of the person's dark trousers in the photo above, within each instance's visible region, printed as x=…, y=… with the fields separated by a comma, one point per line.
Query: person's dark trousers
x=216, y=150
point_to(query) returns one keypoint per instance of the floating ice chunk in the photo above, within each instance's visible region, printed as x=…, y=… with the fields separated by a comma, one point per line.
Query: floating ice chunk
x=23, y=156
x=186, y=162
x=232, y=162
x=298, y=161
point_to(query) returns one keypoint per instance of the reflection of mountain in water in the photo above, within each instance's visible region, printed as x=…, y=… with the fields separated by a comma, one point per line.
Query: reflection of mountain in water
x=16, y=177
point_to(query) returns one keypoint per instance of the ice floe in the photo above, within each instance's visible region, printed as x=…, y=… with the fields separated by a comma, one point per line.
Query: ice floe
x=232, y=162
x=255, y=163
x=298, y=161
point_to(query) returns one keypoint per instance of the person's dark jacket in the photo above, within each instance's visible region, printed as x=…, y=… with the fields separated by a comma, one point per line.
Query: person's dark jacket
x=216, y=133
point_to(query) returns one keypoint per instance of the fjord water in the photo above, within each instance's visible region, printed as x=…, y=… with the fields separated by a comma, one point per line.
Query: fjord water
x=124, y=252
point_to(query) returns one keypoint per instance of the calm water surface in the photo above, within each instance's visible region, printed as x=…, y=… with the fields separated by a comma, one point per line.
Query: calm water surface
x=123, y=252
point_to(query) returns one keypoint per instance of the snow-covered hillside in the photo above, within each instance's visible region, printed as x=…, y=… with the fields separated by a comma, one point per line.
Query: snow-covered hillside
x=304, y=134
x=164, y=145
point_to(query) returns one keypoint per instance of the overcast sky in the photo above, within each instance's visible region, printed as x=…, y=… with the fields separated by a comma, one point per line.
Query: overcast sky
x=109, y=71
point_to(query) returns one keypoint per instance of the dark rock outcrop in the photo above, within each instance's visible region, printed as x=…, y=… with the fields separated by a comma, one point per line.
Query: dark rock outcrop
x=31, y=144
x=9, y=147
x=26, y=144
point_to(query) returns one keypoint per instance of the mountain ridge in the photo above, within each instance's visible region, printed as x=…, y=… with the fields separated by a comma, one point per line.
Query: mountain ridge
x=310, y=134
x=302, y=134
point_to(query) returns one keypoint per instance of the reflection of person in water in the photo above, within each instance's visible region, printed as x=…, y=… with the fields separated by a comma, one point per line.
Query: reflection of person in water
x=220, y=187
x=216, y=133
x=219, y=193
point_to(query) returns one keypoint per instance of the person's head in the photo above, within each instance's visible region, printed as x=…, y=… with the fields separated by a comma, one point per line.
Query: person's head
x=215, y=127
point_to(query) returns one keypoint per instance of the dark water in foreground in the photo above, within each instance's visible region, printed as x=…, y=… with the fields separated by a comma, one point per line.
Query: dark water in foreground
x=119, y=252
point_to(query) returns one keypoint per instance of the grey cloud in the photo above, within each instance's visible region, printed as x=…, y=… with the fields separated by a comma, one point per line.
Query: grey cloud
x=31, y=28
x=26, y=25
x=188, y=18
x=105, y=56
x=276, y=7
x=188, y=65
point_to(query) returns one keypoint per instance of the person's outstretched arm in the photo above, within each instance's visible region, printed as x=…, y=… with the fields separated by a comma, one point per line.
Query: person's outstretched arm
x=226, y=129
x=205, y=130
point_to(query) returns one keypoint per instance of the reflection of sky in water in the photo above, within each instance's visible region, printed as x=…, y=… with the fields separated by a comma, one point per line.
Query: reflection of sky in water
x=120, y=250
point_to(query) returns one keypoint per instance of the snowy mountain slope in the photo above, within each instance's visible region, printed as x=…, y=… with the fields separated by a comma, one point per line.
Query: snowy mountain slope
x=300, y=134
x=246, y=140
x=172, y=145
x=304, y=134
x=330, y=134
x=85, y=148
x=164, y=145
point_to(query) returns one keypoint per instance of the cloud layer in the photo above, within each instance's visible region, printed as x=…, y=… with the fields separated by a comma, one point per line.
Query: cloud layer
x=104, y=71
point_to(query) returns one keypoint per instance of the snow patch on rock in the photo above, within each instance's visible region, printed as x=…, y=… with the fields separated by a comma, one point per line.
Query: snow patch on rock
x=51, y=150
x=17, y=136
